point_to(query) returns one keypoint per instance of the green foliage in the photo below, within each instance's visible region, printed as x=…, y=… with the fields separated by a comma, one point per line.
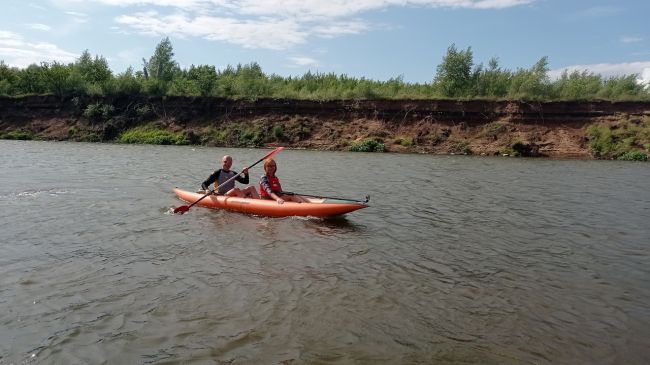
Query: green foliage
x=143, y=111
x=250, y=138
x=577, y=85
x=250, y=82
x=368, y=145
x=155, y=87
x=454, y=75
x=623, y=88
x=161, y=65
x=98, y=112
x=152, y=135
x=126, y=83
x=205, y=78
x=31, y=80
x=493, y=81
x=627, y=136
x=234, y=135
x=459, y=147
x=531, y=84
x=182, y=86
x=7, y=79
x=277, y=132
x=93, y=71
x=405, y=141
x=17, y=135
x=633, y=156
x=5, y=88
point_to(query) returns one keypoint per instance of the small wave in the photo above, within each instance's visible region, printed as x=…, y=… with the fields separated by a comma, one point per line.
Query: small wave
x=28, y=194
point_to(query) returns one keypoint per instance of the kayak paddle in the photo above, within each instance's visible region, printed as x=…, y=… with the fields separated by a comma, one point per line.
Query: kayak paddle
x=329, y=197
x=184, y=208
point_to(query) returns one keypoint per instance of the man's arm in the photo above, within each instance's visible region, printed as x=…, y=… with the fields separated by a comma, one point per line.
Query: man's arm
x=206, y=184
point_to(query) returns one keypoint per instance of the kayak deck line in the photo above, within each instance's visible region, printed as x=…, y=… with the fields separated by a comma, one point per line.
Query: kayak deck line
x=314, y=208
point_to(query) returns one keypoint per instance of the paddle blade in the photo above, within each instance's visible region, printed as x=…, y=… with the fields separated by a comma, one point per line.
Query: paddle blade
x=272, y=153
x=182, y=209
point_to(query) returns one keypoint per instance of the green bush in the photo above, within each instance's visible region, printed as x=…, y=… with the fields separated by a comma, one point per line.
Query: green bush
x=406, y=141
x=17, y=135
x=492, y=130
x=73, y=131
x=460, y=147
x=250, y=138
x=99, y=112
x=277, y=132
x=143, y=111
x=368, y=145
x=150, y=135
x=613, y=141
x=633, y=156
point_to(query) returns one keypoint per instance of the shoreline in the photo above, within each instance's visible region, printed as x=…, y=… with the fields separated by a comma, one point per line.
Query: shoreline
x=445, y=127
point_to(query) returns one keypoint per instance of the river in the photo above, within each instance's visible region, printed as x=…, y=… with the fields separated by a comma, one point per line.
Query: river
x=457, y=260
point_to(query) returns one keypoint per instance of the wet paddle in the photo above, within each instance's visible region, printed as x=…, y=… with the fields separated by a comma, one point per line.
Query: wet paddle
x=184, y=208
x=328, y=197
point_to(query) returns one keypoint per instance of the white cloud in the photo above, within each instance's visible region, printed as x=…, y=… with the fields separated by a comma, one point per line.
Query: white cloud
x=303, y=61
x=334, y=29
x=36, y=6
x=599, y=12
x=15, y=51
x=631, y=39
x=270, y=24
x=645, y=76
x=181, y=4
x=38, y=26
x=263, y=33
x=77, y=14
x=78, y=17
x=310, y=9
x=642, y=69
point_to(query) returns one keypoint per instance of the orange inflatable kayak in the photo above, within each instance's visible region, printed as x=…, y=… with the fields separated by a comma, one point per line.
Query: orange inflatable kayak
x=270, y=208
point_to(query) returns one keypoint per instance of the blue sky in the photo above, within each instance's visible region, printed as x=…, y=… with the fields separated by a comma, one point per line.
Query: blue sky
x=376, y=39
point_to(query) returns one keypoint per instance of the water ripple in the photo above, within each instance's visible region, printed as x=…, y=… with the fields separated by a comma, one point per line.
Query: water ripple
x=458, y=260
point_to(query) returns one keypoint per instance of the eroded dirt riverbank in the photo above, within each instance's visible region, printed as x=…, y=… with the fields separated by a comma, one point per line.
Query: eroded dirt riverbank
x=553, y=129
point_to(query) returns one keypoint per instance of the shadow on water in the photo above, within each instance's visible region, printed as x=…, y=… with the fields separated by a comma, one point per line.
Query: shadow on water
x=337, y=224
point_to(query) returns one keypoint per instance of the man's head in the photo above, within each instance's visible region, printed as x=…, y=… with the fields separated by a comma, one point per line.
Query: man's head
x=226, y=163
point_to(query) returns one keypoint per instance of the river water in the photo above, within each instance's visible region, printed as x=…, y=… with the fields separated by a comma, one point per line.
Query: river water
x=458, y=260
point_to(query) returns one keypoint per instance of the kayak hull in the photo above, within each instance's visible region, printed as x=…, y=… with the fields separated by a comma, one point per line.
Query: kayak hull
x=269, y=208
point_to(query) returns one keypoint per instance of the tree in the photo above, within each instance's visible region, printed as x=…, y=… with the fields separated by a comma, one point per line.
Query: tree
x=7, y=78
x=454, y=75
x=127, y=84
x=251, y=82
x=31, y=80
x=493, y=81
x=205, y=77
x=94, y=71
x=57, y=76
x=161, y=65
x=532, y=83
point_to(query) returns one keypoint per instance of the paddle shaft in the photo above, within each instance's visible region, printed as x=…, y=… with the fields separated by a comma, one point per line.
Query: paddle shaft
x=328, y=197
x=185, y=208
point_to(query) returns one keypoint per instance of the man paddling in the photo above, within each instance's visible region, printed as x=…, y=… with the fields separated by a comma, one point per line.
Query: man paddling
x=224, y=174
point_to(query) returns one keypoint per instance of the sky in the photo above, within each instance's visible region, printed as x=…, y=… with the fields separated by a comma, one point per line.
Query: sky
x=375, y=39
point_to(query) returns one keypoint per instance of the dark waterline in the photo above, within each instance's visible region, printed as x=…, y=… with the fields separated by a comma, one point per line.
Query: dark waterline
x=458, y=260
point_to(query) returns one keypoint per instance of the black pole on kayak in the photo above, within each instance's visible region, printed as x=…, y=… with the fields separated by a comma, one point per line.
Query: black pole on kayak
x=184, y=208
x=329, y=197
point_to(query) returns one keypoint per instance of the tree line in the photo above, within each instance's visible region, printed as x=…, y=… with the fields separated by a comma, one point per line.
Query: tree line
x=457, y=77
